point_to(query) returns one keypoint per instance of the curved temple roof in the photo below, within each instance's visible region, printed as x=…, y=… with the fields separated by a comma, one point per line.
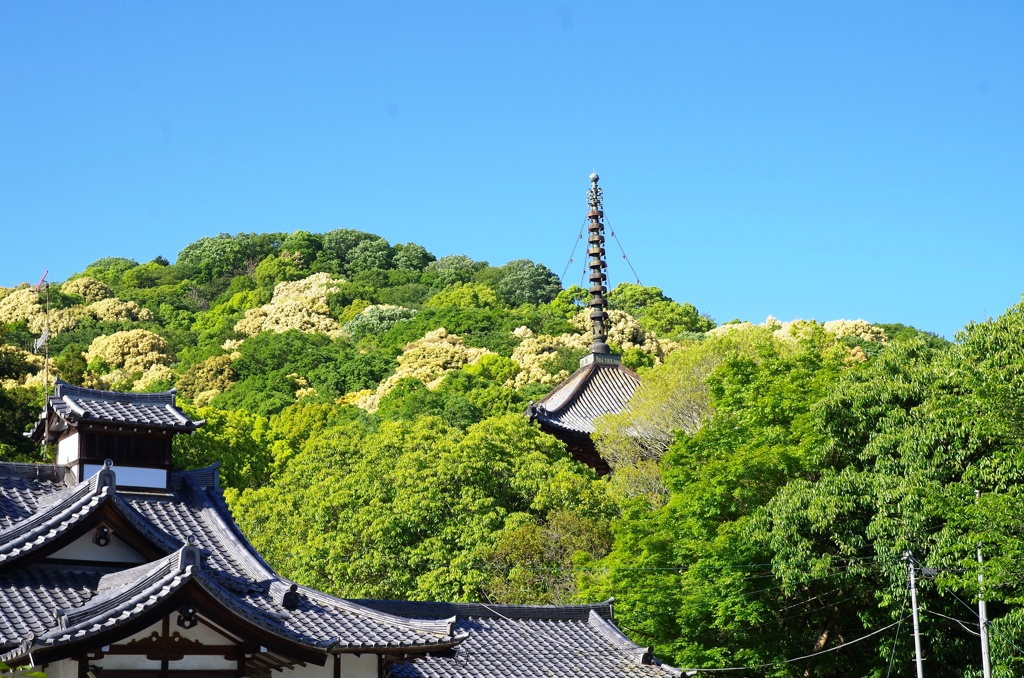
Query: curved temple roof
x=75, y=404
x=55, y=604
x=591, y=391
x=204, y=550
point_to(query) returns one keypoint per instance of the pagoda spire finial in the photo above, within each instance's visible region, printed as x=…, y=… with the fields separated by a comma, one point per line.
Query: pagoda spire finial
x=597, y=265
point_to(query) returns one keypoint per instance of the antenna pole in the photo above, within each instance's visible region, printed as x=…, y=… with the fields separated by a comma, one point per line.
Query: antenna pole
x=913, y=604
x=46, y=350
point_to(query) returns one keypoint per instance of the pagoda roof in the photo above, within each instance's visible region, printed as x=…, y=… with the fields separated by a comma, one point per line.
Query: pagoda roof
x=49, y=610
x=527, y=640
x=74, y=405
x=595, y=389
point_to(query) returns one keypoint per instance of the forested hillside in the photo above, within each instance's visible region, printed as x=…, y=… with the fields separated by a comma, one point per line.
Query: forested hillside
x=365, y=401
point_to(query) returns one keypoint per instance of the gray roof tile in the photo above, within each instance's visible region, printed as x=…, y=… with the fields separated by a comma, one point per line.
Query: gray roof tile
x=76, y=404
x=42, y=605
x=528, y=641
x=193, y=516
x=590, y=391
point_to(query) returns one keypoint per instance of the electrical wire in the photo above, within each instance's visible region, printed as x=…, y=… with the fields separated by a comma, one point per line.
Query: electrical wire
x=572, y=254
x=797, y=659
x=953, y=619
x=892, y=653
x=611, y=230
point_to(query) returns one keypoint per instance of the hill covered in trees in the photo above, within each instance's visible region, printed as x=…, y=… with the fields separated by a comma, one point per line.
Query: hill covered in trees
x=365, y=400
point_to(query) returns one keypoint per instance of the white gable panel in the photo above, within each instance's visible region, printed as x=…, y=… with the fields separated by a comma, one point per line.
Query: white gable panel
x=84, y=549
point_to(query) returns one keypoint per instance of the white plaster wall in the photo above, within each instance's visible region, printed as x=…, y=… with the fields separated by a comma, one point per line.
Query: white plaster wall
x=125, y=662
x=67, y=450
x=363, y=666
x=132, y=476
x=205, y=663
x=314, y=671
x=114, y=552
x=67, y=668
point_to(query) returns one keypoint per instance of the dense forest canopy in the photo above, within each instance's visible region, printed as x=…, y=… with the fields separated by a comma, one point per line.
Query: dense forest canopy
x=769, y=480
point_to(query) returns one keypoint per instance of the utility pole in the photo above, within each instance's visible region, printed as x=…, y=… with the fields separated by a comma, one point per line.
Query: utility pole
x=913, y=605
x=986, y=664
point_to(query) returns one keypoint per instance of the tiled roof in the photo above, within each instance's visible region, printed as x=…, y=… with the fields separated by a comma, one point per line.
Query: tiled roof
x=57, y=513
x=513, y=641
x=19, y=488
x=55, y=611
x=590, y=391
x=193, y=516
x=29, y=597
x=76, y=404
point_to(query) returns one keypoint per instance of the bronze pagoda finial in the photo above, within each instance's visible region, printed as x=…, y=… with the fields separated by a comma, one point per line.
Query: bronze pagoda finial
x=597, y=266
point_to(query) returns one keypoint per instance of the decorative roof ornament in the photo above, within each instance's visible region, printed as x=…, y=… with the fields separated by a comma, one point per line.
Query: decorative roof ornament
x=598, y=268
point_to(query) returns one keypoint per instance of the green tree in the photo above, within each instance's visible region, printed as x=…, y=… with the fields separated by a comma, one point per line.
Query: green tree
x=18, y=406
x=210, y=258
x=412, y=509
x=454, y=268
x=690, y=573
x=524, y=282
x=411, y=257
x=240, y=441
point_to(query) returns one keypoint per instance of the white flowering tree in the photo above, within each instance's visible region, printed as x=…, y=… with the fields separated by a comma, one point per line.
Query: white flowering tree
x=300, y=305
x=130, y=359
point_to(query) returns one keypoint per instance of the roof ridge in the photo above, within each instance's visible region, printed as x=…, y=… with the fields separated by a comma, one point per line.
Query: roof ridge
x=145, y=526
x=617, y=639
x=114, y=587
x=572, y=384
x=64, y=389
x=29, y=470
x=217, y=516
x=580, y=612
x=57, y=516
x=442, y=628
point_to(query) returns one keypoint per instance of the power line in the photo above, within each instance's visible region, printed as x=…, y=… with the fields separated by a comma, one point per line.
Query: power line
x=892, y=653
x=797, y=659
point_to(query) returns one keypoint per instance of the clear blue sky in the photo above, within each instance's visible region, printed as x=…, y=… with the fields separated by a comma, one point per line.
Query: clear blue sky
x=814, y=160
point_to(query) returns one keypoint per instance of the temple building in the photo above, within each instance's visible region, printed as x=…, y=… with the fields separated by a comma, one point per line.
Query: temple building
x=602, y=384
x=114, y=565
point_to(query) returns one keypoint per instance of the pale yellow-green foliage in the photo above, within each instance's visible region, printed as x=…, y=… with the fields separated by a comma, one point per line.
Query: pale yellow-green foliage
x=21, y=304
x=61, y=320
x=33, y=360
x=299, y=305
x=744, y=326
x=795, y=329
x=464, y=295
x=207, y=379
x=535, y=350
x=24, y=304
x=856, y=328
x=672, y=396
x=156, y=376
x=232, y=346
x=115, y=310
x=428, y=359
x=88, y=288
x=303, y=390
x=131, y=350
x=366, y=399
x=625, y=332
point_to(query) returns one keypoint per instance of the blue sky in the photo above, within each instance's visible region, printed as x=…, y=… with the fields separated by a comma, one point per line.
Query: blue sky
x=814, y=160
